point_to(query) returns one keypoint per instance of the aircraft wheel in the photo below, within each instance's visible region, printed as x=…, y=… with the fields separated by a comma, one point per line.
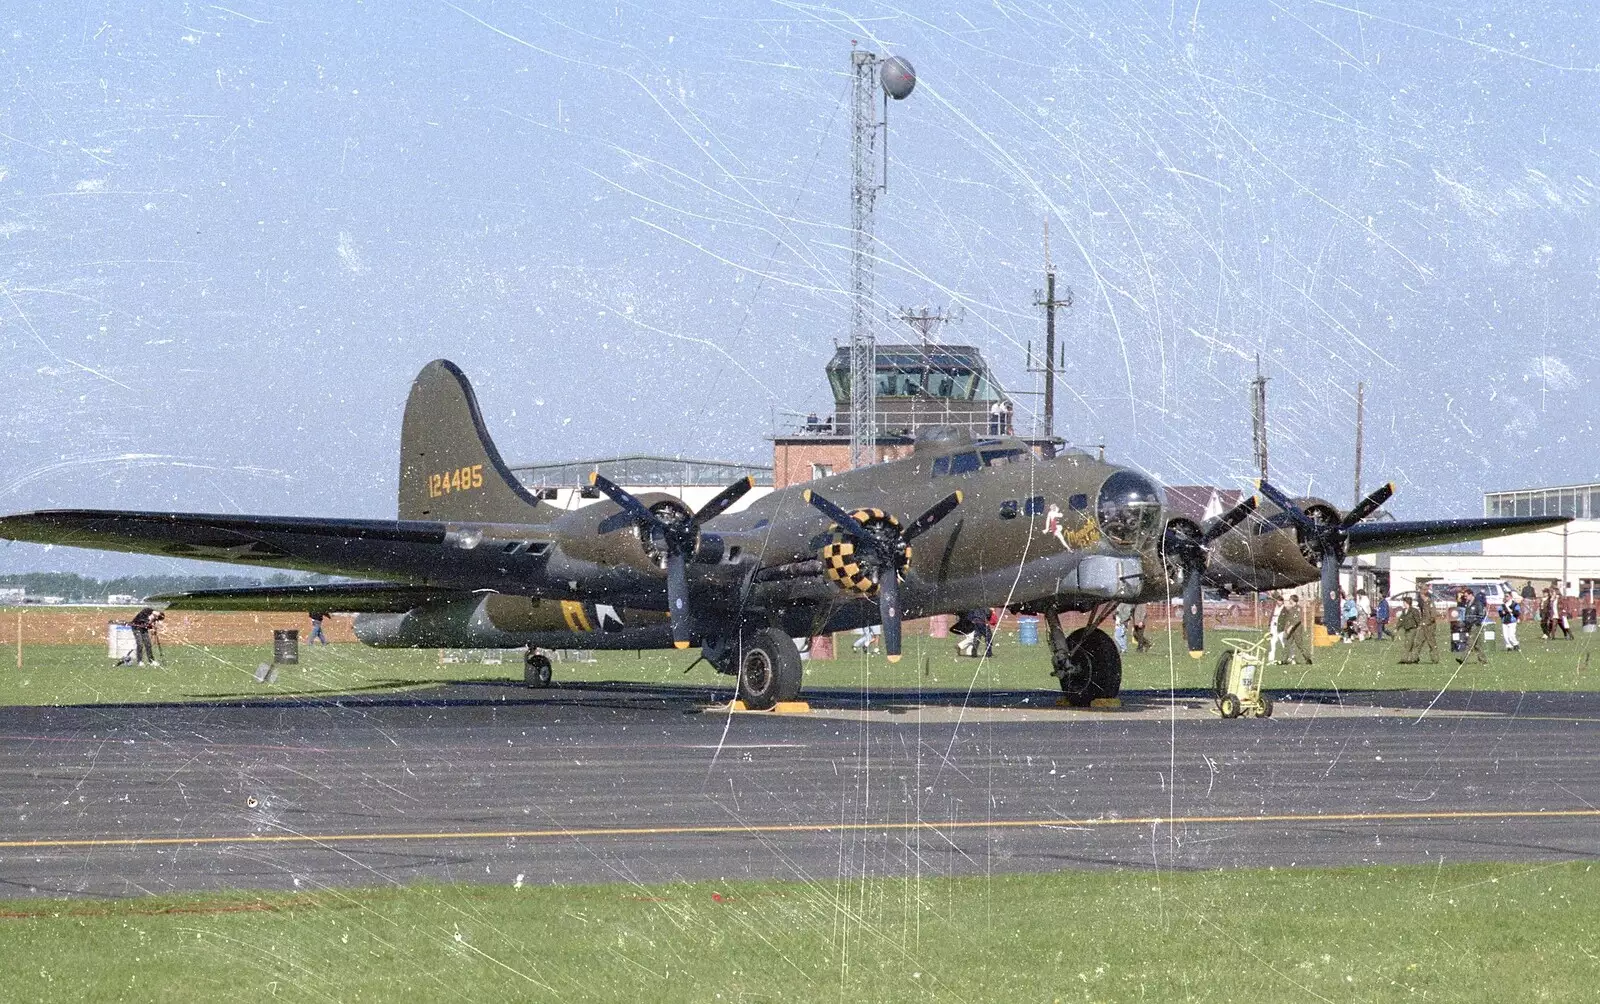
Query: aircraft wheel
x=769, y=669
x=1230, y=706
x=1095, y=669
x=536, y=669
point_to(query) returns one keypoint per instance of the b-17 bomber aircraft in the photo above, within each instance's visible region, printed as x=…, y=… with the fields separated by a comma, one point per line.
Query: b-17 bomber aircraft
x=475, y=560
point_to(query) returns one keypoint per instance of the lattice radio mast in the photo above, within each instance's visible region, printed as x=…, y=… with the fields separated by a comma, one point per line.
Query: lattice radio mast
x=896, y=78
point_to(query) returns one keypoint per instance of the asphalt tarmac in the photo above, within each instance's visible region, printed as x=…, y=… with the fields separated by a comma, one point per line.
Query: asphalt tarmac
x=498, y=784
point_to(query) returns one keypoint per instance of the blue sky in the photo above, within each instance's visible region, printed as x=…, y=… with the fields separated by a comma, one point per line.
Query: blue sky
x=231, y=234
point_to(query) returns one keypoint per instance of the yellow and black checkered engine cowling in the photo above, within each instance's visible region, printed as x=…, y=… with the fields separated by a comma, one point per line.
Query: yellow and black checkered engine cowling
x=840, y=561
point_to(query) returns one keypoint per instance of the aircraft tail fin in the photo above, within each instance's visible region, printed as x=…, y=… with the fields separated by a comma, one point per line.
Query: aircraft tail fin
x=449, y=467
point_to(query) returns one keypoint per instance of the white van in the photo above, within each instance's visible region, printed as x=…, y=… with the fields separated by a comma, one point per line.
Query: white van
x=1443, y=591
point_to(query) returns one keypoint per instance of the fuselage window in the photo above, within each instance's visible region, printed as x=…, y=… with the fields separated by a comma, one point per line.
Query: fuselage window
x=941, y=467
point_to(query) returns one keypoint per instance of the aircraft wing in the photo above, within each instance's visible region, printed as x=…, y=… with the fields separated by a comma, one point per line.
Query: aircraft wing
x=1370, y=538
x=331, y=597
x=408, y=550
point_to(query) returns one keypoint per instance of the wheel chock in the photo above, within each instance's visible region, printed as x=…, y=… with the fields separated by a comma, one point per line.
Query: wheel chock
x=781, y=708
x=1098, y=704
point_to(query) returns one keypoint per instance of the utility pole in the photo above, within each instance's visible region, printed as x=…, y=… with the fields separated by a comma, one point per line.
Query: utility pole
x=1258, y=418
x=926, y=321
x=897, y=78
x=1361, y=393
x=1047, y=300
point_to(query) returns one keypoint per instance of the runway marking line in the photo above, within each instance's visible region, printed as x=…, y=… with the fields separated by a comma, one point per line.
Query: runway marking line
x=780, y=828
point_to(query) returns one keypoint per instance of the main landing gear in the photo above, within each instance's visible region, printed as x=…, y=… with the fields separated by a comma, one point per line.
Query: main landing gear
x=535, y=668
x=1086, y=661
x=766, y=663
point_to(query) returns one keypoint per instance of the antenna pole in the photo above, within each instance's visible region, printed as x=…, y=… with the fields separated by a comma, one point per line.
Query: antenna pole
x=1361, y=396
x=1048, y=301
x=1258, y=418
x=863, y=193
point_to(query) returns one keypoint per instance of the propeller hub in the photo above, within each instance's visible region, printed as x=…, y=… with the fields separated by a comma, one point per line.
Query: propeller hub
x=858, y=568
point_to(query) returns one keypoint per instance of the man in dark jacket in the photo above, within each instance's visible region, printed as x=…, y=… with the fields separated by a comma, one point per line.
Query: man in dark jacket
x=143, y=623
x=1473, y=611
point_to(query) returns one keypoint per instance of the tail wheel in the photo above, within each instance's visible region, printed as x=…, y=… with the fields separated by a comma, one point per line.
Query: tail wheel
x=769, y=669
x=1095, y=667
x=536, y=670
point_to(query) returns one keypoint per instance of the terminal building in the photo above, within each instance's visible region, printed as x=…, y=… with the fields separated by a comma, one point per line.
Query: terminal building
x=1567, y=556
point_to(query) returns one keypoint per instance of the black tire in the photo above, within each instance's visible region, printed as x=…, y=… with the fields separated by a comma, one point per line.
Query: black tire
x=536, y=670
x=1219, y=684
x=1095, y=670
x=1230, y=706
x=1266, y=707
x=769, y=669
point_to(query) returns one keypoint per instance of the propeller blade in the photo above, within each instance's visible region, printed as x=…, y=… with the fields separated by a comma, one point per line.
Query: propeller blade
x=678, y=598
x=636, y=509
x=1194, y=620
x=1332, y=618
x=1228, y=520
x=847, y=523
x=1283, y=502
x=725, y=498
x=1367, y=506
x=929, y=519
x=889, y=610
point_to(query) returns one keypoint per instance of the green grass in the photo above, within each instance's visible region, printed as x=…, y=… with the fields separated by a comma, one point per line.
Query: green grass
x=1456, y=932
x=81, y=674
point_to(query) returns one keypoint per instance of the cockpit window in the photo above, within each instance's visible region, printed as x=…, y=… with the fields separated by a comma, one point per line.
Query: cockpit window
x=999, y=458
x=1129, y=509
x=966, y=463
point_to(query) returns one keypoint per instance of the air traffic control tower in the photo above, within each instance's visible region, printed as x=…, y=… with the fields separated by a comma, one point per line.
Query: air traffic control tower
x=919, y=387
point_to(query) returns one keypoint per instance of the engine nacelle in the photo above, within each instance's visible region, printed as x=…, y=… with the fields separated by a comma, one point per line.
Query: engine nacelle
x=850, y=566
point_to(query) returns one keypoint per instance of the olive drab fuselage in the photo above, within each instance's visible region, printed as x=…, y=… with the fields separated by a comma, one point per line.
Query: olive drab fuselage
x=1023, y=525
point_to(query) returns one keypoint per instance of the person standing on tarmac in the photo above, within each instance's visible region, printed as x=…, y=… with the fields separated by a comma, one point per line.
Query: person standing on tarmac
x=1428, y=626
x=1277, y=641
x=1406, y=627
x=143, y=623
x=1510, y=611
x=316, y=628
x=1141, y=641
x=1294, y=630
x=1380, y=614
x=1473, y=613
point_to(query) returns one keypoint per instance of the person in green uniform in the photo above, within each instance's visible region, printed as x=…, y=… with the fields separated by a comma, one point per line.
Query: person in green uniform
x=1406, y=632
x=1428, y=628
x=1294, y=631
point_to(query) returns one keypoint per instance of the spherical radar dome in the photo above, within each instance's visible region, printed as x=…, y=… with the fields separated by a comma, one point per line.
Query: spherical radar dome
x=898, y=77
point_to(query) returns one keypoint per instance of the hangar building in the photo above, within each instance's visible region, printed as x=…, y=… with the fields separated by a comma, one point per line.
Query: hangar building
x=1568, y=554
